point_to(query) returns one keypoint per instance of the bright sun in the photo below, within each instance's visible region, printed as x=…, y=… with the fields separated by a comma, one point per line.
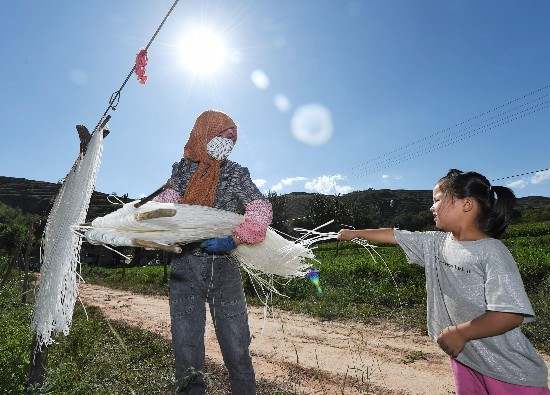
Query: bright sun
x=203, y=51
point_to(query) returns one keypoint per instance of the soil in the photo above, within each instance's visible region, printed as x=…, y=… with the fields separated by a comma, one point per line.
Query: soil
x=303, y=354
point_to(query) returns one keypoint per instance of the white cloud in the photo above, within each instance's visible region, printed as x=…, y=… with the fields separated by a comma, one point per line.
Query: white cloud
x=286, y=182
x=343, y=189
x=281, y=102
x=260, y=182
x=260, y=79
x=328, y=185
x=541, y=177
x=387, y=176
x=78, y=77
x=277, y=187
x=519, y=184
x=312, y=124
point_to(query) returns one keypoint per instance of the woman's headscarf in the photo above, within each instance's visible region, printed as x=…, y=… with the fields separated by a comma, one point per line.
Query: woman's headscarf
x=203, y=184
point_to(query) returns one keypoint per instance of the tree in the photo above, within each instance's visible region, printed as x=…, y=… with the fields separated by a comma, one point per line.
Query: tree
x=325, y=208
x=280, y=216
x=14, y=226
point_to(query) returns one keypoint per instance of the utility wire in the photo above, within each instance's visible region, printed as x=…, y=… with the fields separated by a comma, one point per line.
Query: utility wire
x=520, y=175
x=450, y=135
x=473, y=118
x=468, y=132
x=406, y=156
x=507, y=116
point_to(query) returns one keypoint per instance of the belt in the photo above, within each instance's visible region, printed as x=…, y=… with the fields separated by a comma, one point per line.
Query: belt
x=195, y=249
x=191, y=248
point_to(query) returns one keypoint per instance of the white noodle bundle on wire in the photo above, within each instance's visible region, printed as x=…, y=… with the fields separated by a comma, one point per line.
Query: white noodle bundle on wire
x=56, y=295
x=189, y=223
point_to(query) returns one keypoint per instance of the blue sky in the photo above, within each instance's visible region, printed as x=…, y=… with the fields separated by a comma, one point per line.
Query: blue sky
x=358, y=78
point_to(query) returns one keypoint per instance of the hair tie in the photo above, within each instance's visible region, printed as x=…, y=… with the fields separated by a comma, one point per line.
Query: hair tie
x=491, y=190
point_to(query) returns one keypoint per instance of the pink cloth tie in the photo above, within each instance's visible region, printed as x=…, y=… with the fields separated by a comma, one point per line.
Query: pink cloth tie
x=141, y=64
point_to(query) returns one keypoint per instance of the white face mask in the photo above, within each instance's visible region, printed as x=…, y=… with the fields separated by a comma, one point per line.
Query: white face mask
x=219, y=148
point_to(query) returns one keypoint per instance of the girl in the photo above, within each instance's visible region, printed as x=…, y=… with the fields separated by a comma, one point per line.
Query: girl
x=475, y=296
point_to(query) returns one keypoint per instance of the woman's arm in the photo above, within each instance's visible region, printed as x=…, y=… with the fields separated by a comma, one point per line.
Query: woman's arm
x=383, y=235
x=257, y=217
x=493, y=323
x=258, y=211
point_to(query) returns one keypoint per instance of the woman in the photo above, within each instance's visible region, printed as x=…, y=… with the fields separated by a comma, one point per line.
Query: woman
x=204, y=271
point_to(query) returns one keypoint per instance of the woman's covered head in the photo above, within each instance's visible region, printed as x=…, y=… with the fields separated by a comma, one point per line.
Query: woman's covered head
x=494, y=203
x=211, y=140
x=212, y=137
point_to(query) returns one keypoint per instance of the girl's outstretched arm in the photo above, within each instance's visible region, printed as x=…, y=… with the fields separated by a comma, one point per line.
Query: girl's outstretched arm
x=382, y=235
x=493, y=323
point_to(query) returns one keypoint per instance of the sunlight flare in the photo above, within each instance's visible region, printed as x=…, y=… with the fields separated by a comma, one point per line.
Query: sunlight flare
x=203, y=51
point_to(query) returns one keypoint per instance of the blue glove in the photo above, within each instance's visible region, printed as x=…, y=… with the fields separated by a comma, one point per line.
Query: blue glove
x=219, y=245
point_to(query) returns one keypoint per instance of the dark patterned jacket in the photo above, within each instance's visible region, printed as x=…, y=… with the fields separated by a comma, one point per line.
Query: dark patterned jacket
x=236, y=192
x=235, y=188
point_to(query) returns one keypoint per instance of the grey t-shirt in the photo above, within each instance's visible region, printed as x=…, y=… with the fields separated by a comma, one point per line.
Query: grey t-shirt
x=464, y=279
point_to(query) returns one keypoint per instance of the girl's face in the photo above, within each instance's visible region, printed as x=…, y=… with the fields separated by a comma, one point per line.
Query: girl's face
x=447, y=211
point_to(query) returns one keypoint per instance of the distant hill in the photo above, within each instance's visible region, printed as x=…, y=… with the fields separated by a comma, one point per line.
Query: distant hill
x=385, y=207
x=36, y=197
x=406, y=209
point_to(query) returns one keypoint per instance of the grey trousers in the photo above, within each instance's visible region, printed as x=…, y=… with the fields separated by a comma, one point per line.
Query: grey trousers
x=195, y=280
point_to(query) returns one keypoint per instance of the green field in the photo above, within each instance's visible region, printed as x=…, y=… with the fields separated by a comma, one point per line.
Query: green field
x=97, y=357
x=355, y=287
x=100, y=356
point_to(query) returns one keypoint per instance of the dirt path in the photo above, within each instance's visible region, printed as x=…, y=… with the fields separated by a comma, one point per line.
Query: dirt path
x=303, y=353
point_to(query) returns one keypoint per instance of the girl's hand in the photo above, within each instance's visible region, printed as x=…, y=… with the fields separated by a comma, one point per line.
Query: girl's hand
x=346, y=234
x=452, y=341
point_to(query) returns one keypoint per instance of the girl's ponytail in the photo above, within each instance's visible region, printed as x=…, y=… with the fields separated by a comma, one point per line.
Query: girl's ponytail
x=500, y=213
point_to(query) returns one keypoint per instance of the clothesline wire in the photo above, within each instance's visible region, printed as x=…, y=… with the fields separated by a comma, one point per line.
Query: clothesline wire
x=115, y=97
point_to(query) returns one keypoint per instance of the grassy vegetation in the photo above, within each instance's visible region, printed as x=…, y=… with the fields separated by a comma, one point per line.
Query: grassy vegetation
x=530, y=229
x=15, y=339
x=92, y=359
x=147, y=280
x=97, y=357
x=103, y=357
x=355, y=287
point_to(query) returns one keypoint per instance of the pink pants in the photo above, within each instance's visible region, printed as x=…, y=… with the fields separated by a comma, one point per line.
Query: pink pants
x=470, y=382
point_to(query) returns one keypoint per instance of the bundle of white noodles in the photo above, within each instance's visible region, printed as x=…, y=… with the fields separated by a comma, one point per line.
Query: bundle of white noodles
x=275, y=255
x=56, y=296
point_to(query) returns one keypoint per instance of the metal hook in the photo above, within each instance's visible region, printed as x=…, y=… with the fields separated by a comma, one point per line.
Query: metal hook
x=114, y=100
